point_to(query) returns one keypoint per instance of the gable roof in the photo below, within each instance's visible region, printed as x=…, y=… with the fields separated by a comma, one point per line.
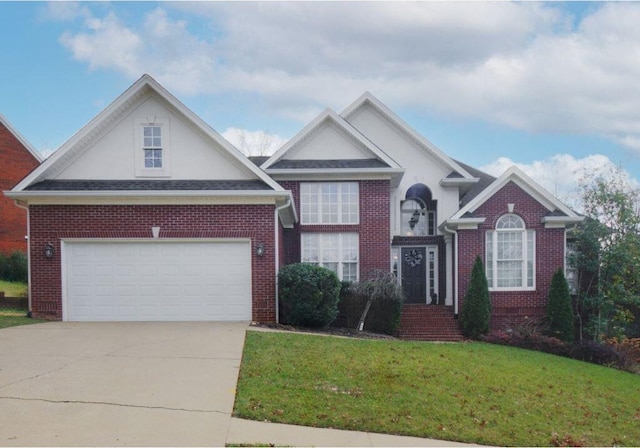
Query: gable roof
x=558, y=214
x=378, y=161
x=144, y=86
x=23, y=141
x=368, y=100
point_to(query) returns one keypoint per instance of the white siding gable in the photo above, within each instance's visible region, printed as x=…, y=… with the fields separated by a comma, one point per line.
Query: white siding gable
x=421, y=166
x=329, y=142
x=188, y=152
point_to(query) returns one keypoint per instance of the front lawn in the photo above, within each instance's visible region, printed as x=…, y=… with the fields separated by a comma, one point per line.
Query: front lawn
x=10, y=317
x=468, y=392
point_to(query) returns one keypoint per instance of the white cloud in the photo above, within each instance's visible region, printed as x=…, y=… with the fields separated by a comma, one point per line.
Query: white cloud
x=520, y=64
x=561, y=174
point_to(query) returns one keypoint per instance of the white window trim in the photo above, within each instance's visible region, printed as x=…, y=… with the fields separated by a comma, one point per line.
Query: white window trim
x=140, y=169
x=304, y=218
x=525, y=254
x=340, y=260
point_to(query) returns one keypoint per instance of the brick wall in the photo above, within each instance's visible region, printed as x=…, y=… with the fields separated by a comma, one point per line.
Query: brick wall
x=15, y=163
x=373, y=227
x=51, y=223
x=513, y=306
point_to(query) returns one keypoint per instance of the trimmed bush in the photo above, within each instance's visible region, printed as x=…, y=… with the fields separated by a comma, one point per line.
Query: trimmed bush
x=309, y=295
x=559, y=313
x=476, y=310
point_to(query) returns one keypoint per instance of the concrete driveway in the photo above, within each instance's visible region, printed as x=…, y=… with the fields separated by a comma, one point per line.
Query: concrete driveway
x=118, y=384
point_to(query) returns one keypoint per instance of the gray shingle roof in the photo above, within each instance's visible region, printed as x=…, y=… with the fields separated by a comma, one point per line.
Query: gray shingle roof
x=147, y=185
x=476, y=189
x=329, y=164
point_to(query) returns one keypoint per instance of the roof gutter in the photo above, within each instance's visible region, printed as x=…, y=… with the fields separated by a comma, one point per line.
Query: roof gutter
x=26, y=207
x=276, y=235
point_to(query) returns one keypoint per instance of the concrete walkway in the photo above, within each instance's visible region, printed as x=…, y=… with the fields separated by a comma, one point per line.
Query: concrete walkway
x=139, y=384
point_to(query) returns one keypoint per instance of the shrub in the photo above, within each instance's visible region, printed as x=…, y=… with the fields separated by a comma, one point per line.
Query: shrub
x=528, y=335
x=383, y=296
x=597, y=353
x=559, y=312
x=476, y=310
x=309, y=295
x=13, y=268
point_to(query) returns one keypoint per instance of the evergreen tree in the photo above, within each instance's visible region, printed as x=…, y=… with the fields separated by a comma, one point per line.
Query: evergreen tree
x=476, y=311
x=559, y=310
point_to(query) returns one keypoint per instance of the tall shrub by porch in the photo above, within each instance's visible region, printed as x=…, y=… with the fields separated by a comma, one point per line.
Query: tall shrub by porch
x=559, y=310
x=476, y=310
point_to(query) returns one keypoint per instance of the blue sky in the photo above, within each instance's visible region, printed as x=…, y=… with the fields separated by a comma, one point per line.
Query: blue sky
x=550, y=86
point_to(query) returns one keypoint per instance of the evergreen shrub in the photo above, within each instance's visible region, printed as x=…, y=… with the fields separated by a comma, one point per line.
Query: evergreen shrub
x=476, y=309
x=309, y=295
x=559, y=312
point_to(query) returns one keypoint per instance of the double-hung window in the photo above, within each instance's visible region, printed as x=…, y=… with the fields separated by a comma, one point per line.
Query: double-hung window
x=510, y=255
x=329, y=203
x=152, y=146
x=335, y=251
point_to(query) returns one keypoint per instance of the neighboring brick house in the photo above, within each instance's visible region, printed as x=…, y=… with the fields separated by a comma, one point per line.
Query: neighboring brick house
x=17, y=159
x=148, y=214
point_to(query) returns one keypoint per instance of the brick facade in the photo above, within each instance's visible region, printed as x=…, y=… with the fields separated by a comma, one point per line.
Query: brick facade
x=513, y=306
x=16, y=162
x=373, y=228
x=51, y=223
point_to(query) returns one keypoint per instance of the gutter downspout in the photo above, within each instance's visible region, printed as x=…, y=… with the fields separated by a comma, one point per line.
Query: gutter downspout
x=277, y=254
x=455, y=268
x=28, y=237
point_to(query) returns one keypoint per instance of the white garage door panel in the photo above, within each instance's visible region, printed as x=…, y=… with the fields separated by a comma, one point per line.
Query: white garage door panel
x=167, y=281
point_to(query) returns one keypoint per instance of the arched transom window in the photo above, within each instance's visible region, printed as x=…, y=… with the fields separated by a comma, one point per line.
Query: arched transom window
x=510, y=255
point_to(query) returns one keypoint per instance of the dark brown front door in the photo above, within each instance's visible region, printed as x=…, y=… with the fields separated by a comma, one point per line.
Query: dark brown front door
x=414, y=274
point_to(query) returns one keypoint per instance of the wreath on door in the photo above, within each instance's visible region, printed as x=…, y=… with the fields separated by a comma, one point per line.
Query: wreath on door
x=413, y=257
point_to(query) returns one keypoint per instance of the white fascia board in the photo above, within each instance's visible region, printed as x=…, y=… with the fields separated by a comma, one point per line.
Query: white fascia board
x=129, y=96
x=331, y=116
x=404, y=126
x=464, y=223
x=453, y=182
x=141, y=196
x=34, y=152
x=394, y=175
x=523, y=181
x=559, y=222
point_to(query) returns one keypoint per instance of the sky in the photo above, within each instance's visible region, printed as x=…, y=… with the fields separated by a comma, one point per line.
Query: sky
x=552, y=87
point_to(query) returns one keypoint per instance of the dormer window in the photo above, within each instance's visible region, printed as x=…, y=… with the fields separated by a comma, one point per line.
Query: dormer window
x=153, y=146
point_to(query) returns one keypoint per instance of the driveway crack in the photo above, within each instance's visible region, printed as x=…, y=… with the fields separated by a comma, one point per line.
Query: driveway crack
x=106, y=403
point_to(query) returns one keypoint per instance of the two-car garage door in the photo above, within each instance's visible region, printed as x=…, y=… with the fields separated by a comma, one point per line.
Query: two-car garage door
x=157, y=281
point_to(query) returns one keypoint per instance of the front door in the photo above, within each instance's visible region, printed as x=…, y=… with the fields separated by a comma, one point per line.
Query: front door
x=414, y=274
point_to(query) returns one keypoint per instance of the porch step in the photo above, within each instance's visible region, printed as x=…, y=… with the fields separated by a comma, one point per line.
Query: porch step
x=420, y=322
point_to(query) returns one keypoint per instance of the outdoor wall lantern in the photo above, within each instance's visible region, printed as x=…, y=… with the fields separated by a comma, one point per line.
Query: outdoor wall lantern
x=49, y=250
x=260, y=249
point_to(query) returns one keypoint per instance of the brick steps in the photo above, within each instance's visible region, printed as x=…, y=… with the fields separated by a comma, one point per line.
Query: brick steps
x=429, y=323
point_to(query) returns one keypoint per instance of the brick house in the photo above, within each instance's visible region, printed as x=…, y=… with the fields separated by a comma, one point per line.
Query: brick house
x=17, y=159
x=149, y=214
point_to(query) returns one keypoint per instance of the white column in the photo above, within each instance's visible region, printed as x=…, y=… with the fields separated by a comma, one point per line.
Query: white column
x=448, y=300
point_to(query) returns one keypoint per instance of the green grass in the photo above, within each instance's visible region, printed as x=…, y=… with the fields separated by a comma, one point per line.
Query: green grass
x=13, y=289
x=10, y=317
x=469, y=392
